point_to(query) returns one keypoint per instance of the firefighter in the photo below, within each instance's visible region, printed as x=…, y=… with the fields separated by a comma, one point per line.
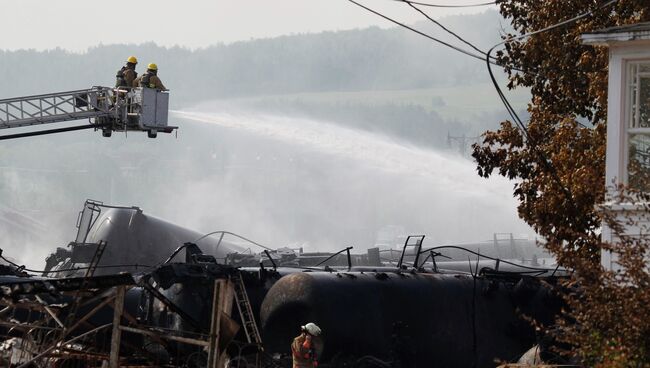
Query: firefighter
x=127, y=74
x=307, y=347
x=150, y=79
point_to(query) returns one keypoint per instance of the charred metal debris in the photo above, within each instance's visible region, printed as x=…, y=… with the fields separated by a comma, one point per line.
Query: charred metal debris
x=376, y=310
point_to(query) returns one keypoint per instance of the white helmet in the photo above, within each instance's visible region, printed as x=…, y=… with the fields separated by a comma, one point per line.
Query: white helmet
x=311, y=328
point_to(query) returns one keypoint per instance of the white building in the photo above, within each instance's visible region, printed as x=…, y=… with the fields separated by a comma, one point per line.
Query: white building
x=628, y=113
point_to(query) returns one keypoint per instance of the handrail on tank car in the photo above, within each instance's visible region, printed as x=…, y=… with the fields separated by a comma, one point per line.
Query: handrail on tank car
x=336, y=254
x=418, y=244
x=433, y=256
x=275, y=267
x=222, y=232
x=95, y=208
x=484, y=256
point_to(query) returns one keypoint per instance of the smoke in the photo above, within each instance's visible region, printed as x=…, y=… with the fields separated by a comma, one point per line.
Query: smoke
x=22, y=236
x=33, y=219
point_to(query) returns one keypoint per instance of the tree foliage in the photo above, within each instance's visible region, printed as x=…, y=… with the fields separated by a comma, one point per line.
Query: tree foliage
x=559, y=167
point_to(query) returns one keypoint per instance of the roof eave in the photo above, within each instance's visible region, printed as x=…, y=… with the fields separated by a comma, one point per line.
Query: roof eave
x=606, y=39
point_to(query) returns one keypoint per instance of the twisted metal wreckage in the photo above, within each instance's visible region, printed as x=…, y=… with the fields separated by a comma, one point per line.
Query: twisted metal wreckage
x=115, y=298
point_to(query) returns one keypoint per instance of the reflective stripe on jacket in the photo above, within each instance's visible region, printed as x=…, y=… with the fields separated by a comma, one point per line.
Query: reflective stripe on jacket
x=305, y=351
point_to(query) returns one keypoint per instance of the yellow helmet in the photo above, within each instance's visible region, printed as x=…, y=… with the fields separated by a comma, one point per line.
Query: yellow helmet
x=152, y=66
x=132, y=60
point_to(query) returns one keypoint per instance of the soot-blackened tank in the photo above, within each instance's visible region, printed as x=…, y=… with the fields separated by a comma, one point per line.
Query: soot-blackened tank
x=407, y=319
x=133, y=237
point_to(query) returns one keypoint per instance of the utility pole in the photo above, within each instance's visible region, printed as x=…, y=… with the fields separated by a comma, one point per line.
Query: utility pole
x=461, y=142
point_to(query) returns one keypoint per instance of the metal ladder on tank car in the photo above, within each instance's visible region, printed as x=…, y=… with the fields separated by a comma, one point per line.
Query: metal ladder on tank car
x=92, y=267
x=245, y=310
x=90, y=272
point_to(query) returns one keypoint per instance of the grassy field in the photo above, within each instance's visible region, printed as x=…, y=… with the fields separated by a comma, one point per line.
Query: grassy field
x=463, y=103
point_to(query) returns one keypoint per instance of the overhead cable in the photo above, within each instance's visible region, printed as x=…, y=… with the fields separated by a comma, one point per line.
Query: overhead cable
x=441, y=26
x=463, y=51
x=449, y=6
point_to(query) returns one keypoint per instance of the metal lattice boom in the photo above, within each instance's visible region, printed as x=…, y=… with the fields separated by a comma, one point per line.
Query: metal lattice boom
x=108, y=109
x=58, y=107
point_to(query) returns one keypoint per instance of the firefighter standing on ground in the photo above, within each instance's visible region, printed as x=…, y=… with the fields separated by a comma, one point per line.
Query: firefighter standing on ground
x=150, y=79
x=127, y=74
x=307, y=347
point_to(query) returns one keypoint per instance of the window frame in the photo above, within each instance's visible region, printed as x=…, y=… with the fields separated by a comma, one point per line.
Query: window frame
x=627, y=113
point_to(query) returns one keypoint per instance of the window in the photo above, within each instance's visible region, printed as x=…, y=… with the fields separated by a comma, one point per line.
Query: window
x=638, y=125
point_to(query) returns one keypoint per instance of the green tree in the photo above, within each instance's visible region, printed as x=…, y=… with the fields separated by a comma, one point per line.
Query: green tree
x=559, y=170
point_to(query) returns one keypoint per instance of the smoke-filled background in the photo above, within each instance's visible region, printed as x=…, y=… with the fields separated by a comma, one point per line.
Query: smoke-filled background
x=317, y=140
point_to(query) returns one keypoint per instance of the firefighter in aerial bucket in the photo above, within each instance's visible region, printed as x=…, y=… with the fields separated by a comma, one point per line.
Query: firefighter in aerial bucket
x=127, y=74
x=307, y=347
x=150, y=79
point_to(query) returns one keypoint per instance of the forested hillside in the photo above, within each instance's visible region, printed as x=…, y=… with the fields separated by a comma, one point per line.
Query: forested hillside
x=367, y=59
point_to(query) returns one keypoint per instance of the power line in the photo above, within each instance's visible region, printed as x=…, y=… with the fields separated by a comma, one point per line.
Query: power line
x=463, y=51
x=409, y=3
x=448, y=6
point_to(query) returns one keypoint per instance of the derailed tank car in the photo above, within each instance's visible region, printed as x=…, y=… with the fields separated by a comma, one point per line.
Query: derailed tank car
x=407, y=319
x=383, y=319
x=134, y=240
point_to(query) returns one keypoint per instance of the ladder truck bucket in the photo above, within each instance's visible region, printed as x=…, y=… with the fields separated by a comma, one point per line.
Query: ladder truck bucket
x=152, y=109
x=108, y=109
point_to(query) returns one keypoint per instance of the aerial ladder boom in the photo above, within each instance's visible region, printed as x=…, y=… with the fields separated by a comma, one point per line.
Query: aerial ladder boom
x=107, y=109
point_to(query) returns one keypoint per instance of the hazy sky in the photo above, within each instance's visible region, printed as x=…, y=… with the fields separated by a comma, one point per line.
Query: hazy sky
x=78, y=24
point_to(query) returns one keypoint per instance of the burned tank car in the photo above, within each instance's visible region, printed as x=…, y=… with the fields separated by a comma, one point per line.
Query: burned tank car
x=406, y=319
x=132, y=238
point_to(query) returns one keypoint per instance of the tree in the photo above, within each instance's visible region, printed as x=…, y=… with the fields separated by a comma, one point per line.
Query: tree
x=559, y=168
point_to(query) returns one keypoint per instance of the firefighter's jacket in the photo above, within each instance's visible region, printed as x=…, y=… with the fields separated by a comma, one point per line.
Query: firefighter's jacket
x=306, y=351
x=149, y=80
x=125, y=77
